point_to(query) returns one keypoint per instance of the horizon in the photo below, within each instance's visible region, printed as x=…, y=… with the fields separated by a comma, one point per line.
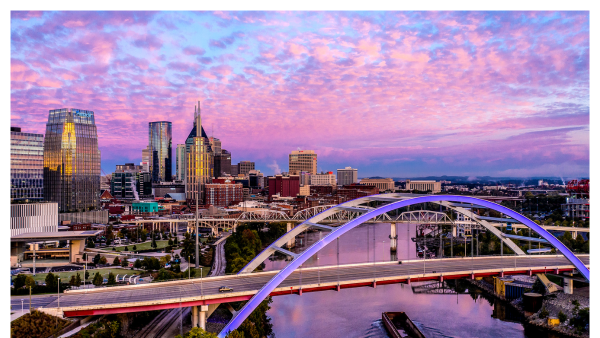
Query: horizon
x=392, y=94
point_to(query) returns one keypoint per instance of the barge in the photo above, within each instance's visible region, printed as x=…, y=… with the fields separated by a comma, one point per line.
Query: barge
x=398, y=325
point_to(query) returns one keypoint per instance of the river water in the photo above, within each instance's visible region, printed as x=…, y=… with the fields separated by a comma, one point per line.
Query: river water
x=356, y=312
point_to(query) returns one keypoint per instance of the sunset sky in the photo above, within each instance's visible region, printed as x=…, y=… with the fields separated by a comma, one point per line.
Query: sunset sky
x=396, y=94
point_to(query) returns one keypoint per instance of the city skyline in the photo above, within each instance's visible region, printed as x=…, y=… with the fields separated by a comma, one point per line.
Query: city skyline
x=403, y=93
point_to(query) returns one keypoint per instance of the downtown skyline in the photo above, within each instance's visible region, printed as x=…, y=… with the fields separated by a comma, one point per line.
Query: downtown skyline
x=395, y=94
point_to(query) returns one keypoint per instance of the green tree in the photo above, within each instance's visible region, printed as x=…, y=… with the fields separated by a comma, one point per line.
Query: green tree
x=98, y=280
x=134, y=247
x=90, y=243
x=117, y=261
x=29, y=282
x=72, y=280
x=51, y=280
x=87, y=275
x=197, y=332
x=126, y=248
x=562, y=317
x=96, y=259
x=125, y=262
x=137, y=264
x=19, y=281
x=102, y=260
x=111, y=279
x=78, y=280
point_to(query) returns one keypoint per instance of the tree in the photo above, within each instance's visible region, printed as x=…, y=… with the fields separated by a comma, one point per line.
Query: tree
x=170, y=242
x=72, y=281
x=29, y=282
x=125, y=262
x=197, y=332
x=102, y=260
x=51, y=280
x=98, y=280
x=78, y=280
x=153, y=244
x=126, y=248
x=111, y=279
x=137, y=264
x=117, y=261
x=19, y=281
x=163, y=261
x=90, y=243
x=134, y=247
x=87, y=275
x=562, y=317
x=96, y=259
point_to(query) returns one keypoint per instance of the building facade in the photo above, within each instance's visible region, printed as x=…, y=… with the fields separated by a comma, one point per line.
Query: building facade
x=33, y=217
x=26, y=166
x=244, y=167
x=215, y=144
x=222, y=163
x=432, y=186
x=288, y=186
x=145, y=159
x=383, y=184
x=303, y=160
x=123, y=185
x=199, y=161
x=159, y=145
x=223, y=195
x=347, y=176
x=143, y=185
x=72, y=160
x=180, y=162
x=327, y=178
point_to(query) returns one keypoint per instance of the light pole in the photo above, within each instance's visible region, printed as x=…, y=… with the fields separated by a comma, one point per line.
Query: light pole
x=189, y=267
x=197, y=253
x=58, y=292
x=22, y=309
x=201, y=289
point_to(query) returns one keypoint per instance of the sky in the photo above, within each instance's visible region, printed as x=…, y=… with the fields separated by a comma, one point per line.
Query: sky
x=394, y=94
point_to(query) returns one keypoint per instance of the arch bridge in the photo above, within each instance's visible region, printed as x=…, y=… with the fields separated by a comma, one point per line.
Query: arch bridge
x=374, y=207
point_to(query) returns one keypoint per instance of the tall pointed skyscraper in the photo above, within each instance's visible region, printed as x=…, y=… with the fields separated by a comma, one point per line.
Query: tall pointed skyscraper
x=199, y=160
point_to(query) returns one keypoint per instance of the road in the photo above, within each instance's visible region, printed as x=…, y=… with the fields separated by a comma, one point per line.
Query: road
x=219, y=262
x=36, y=301
x=171, y=294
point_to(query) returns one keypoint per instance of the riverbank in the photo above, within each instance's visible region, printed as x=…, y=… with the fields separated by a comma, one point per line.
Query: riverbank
x=553, y=304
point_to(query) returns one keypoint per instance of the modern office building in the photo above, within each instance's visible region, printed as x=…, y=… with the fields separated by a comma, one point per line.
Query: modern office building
x=304, y=178
x=123, y=185
x=432, y=186
x=180, y=162
x=26, y=166
x=144, y=184
x=33, y=217
x=145, y=159
x=383, y=184
x=244, y=167
x=303, y=160
x=256, y=179
x=223, y=195
x=72, y=160
x=159, y=145
x=128, y=168
x=234, y=170
x=199, y=161
x=215, y=144
x=327, y=178
x=347, y=176
x=222, y=163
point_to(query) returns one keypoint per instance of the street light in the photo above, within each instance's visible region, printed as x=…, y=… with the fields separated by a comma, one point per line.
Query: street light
x=22, y=309
x=189, y=267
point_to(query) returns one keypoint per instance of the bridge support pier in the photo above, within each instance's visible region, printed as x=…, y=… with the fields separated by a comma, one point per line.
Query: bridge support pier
x=292, y=242
x=568, y=286
x=393, y=238
x=199, y=314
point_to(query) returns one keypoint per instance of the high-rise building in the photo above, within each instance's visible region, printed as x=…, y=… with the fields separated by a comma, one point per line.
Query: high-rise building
x=145, y=159
x=123, y=185
x=303, y=160
x=159, y=144
x=222, y=163
x=199, y=160
x=234, y=170
x=347, y=176
x=244, y=167
x=284, y=186
x=128, y=168
x=72, y=160
x=33, y=217
x=256, y=179
x=26, y=166
x=223, y=195
x=215, y=144
x=180, y=162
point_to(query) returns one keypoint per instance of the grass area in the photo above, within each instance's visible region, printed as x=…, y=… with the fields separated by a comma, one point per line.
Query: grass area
x=66, y=276
x=205, y=272
x=140, y=246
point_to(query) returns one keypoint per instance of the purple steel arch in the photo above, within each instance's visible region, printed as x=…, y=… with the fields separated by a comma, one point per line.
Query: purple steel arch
x=241, y=315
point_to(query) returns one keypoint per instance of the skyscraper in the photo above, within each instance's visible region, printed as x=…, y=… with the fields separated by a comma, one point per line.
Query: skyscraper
x=222, y=163
x=215, y=144
x=26, y=166
x=244, y=167
x=180, y=162
x=347, y=176
x=160, y=151
x=303, y=160
x=72, y=160
x=199, y=160
x=145, y=159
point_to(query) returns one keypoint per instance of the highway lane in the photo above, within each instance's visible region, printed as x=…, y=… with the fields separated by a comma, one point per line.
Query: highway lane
x=36, y=301
x=252, y=282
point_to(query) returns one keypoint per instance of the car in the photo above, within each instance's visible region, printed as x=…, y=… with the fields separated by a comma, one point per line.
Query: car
x=225, y=289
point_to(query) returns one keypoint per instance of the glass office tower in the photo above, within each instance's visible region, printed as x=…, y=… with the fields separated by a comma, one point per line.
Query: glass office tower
x=26, y=166
x=72, y=160
x=160, y=151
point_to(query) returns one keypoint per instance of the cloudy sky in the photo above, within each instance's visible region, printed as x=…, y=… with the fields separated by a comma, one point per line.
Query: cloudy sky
x=390, y=93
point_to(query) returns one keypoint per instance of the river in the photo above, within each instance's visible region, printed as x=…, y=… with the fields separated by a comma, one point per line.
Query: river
x=357, y=312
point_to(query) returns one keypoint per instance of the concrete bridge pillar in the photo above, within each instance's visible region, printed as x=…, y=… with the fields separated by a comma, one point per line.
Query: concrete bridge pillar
x=574, y=233
x=194, y=316
x=292, y=242
x=393, y=238
x=568, y=286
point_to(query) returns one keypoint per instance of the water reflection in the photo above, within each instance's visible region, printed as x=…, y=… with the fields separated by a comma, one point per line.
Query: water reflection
x=357, y=312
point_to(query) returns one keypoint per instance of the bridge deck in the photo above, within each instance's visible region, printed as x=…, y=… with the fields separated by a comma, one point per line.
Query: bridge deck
x=194, y=292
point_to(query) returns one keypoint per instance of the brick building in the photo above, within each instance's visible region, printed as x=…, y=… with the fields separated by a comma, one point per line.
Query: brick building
x=288, y=186
x=223, y=194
